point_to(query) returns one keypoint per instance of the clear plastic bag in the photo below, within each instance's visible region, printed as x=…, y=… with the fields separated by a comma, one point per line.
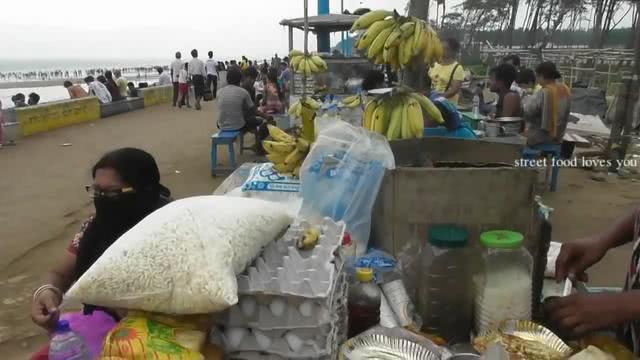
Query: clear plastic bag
x=341, y=177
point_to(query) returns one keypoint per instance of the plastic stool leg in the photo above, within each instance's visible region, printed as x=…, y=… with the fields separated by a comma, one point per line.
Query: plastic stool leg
x=241, y=142
x=214, y=157
x=232, y=156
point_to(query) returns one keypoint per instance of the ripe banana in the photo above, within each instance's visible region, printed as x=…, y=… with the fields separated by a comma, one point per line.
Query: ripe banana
x=416, y=121
x=419, y=29
x=319, y=62
x=405, y=128
x=306, y=64
x=378, y=44
x=395, y=124
x=368, y=37
x=295, y=53
x=367, y=116
x=313, y=68
x=394, y=38
x=302, y=145
x=430, y=109
x=279, y=135
x=294, y=158
x=278, y=148
x=276, y=158
x=405, y=51
x=366, y=20
x=295, y=109
x=407, y=29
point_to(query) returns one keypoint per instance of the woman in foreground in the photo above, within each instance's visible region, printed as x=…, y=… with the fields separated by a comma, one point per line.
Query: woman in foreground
x=126, y=188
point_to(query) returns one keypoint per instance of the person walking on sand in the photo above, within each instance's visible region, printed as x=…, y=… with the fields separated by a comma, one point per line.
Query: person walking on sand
x=176, y=66
x=183, y=81
x=197, y=73
x=212, y=75
x=75, y=91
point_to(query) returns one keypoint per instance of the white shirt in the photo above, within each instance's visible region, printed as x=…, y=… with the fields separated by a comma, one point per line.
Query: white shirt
x=211, y=67
x=176, y=66
x=196, y=67
x=164, y=79
x=96, y=88
x=183, y=76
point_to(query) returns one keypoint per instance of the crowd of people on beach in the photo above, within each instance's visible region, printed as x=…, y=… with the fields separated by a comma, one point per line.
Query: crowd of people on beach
x=139, y=72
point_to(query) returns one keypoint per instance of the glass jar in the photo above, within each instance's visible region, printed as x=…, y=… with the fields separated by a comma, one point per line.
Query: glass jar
x=445, y=296
x=504, y=285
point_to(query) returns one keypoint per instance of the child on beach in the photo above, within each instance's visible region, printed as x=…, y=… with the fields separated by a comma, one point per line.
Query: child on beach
x=183, y=86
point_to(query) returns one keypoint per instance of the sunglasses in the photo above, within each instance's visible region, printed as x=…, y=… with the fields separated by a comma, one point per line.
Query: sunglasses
x=95, y=192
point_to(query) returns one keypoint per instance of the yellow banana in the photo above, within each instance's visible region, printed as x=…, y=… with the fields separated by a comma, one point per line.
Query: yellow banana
x=282, y=169
x=370, y=36
x=405, y=128
x=311, y=103
x=312, y=66
x=276, y=158
x=395, y=123
x=378, y=44
x=407, y=29
x=295, y=61
x=430, y=109
x=319, y=62
x=296, y=171
x=420, y=45
x=367, y=116
x=350, y=99
x=416, y=121
x=295, y=157
x=275, y=147
x=294, y=108
x=405, y=51
x=379, y=120
x=302, y=145
x=394, y=60
x=278, y=135
x=394, y=38
x=295, y=53
x=416, y=36
x=368, y=19
x=429, y=48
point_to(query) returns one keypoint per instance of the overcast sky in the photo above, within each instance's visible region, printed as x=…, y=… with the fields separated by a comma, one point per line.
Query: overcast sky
x=139, y=29
x=135, y=29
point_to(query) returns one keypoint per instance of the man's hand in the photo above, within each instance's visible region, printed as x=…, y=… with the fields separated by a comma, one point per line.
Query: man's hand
x=576, y=257
x=579, y=314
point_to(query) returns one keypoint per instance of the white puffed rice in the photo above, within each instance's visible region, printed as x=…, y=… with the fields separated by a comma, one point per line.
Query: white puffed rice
x=183, y=258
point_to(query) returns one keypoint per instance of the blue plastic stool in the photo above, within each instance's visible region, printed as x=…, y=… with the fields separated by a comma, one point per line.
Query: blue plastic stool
x=549, y=150
x=464, y=131
x=225, y=138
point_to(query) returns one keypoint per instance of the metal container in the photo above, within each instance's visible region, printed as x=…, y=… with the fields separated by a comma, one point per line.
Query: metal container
x=466, y=356
x=509, y=125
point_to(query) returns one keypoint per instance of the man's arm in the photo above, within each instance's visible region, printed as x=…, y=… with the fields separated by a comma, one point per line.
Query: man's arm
x=621, y=232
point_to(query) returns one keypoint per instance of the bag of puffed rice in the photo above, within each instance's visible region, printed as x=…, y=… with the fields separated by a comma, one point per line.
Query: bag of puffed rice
x=184, y=257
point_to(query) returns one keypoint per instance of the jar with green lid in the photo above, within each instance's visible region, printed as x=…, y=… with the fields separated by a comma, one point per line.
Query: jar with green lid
x=445, y=298
x=504, y=284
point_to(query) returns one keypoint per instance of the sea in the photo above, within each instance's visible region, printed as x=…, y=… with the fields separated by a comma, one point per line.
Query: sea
x=52, y=89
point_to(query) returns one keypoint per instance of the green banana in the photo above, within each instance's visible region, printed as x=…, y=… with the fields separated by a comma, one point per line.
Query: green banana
x=370, y=18
x=407, y=29
x=394, y=38
x=294, y=53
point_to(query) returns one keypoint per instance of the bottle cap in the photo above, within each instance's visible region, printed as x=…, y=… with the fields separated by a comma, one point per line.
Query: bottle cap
x=346, y=239
x=364, y=274
x=63, y=326
x=448, y=236
x=501, y=239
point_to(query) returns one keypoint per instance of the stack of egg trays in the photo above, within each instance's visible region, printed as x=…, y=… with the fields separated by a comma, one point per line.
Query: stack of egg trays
x=289, y=291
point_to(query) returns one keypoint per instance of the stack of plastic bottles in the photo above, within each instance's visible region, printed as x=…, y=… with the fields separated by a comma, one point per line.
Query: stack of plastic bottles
x=292, y=303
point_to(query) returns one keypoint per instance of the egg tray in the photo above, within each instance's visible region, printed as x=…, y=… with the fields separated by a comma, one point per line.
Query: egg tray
x=270, y=312
x=283, y=269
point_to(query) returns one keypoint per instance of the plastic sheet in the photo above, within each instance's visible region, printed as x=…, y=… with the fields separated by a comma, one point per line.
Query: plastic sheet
x=342, y=175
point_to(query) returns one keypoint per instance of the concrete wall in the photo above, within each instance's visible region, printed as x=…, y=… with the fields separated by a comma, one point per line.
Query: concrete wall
x=156, y=95
x=50, y=116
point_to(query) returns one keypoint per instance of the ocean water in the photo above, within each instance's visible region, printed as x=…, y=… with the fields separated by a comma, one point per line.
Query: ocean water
x=25, y=65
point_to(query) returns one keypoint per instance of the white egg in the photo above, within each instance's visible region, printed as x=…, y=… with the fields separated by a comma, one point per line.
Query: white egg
x=235, y=335
x=306, y=308
x=277, y=306
x=263, y=340
x=294, y=341
x=248, y=305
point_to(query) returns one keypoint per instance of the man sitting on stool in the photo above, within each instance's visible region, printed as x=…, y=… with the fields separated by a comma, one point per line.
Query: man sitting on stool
x=237, y=112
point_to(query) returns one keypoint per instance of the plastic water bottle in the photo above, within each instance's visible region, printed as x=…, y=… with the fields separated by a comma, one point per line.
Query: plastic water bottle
x=67, y=345
x=364, y=303
x=476, y=105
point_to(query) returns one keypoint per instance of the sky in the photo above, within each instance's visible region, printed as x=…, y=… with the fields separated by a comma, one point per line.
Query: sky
x=136, y=29
x=121, y=29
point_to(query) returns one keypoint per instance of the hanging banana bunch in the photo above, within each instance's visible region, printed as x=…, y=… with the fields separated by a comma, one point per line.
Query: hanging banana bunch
x=388, y=38
x=400, y=114
x=351, y=102
x=307, y=64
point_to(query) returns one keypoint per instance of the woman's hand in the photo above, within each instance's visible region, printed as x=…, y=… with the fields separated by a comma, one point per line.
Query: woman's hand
x=45, y=311
x=576, y=257
x=579, y=314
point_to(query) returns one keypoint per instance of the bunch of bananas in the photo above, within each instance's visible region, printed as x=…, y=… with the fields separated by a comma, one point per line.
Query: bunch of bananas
x=296, y=109
x=395, y=40
x=399, y=115
x=307, y=64
x=285, y=151
x=351, y=102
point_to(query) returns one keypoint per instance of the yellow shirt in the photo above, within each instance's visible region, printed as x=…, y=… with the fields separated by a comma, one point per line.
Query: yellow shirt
x=440, y=75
